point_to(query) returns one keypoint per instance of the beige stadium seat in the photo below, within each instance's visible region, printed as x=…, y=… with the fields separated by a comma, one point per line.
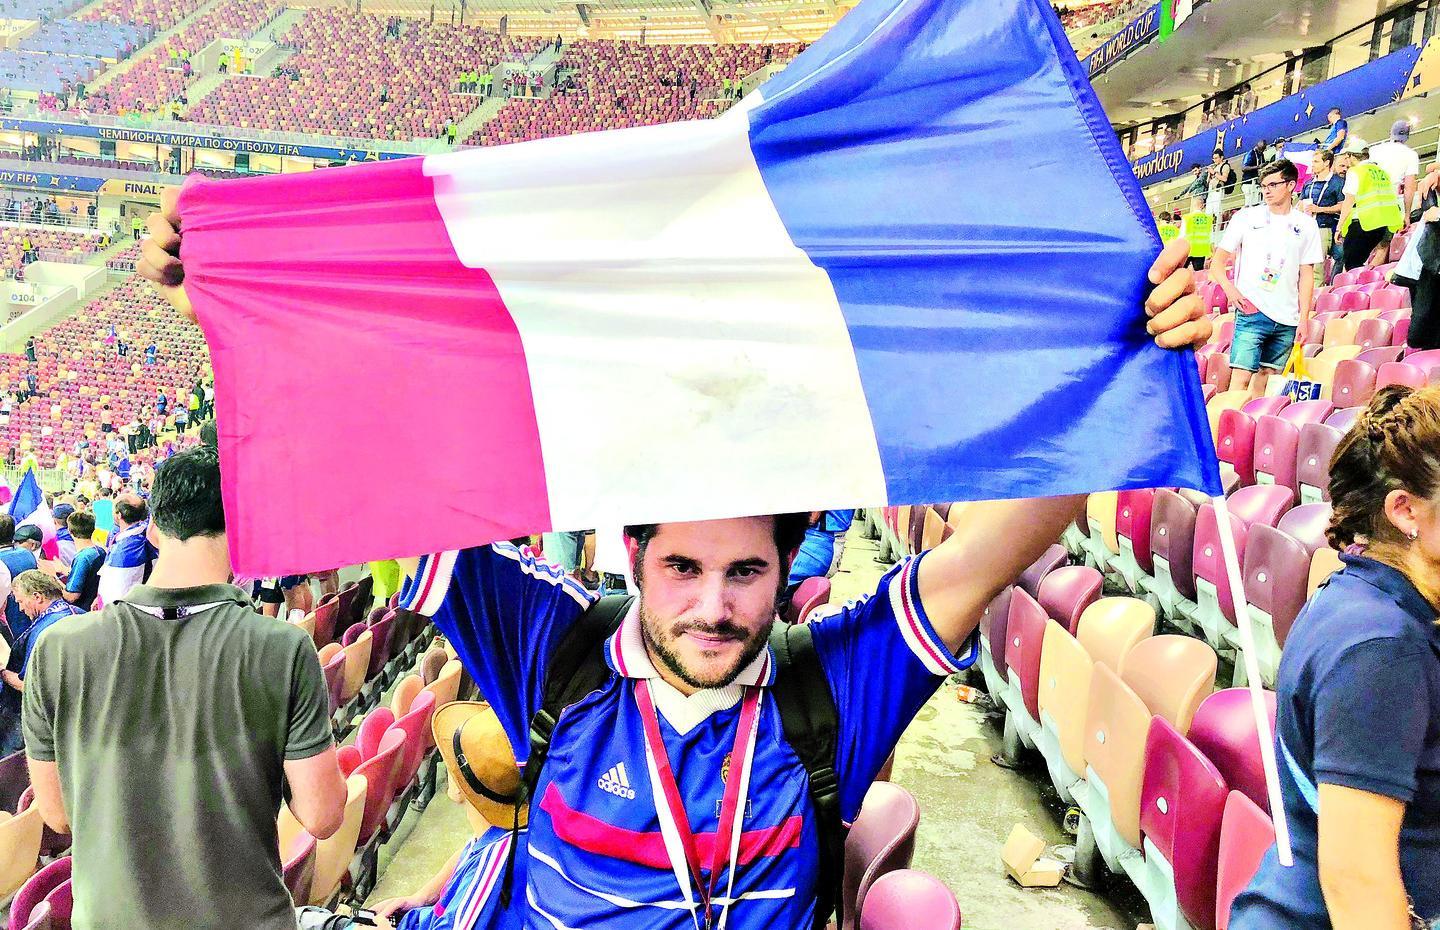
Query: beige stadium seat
x=1064, y=693
x=19, y=848
x=1172, y=675
x=447, y=687
x=1112, y=626
x=333, y=855
x=902, y=522
x=404, y=695
x=934, y=530
x=956, y=514
x=357, y=663
x=329, y=651
x=1102, y=543
x=1323, y=564
x=1341, y=332
x=307, y=623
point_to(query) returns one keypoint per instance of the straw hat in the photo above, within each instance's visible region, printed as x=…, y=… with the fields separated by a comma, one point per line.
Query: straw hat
x=482, y=765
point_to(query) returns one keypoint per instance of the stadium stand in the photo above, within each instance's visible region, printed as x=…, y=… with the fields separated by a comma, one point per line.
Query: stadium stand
x=158, y=15
x=346, y=63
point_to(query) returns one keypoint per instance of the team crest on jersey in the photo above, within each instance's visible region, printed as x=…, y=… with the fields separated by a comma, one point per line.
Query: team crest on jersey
x=725, y=769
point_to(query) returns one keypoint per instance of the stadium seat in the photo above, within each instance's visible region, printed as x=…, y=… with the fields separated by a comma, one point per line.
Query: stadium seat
x=1225, y=400
x=1214, y=613
x=379, y=773
x=910, y=900
x=357, y=662
x=1067, y=591
x=404, y=695
x=1216, y=370
x=1379, y=355
x=1307, y=525
x=1172, y=537
x=19, y=847
x=371, y=732
x=433, y=663
x=1276, y=439
x=1165, y=676
x=1100, y=544
x=1277, y=568
x=1312, y=461
x=1021, y=697
x=332, y=663
x=35, y=890
x=994, y=626
x=1108, y=630
x=327, y=615
x=306, y=622
x=380, y=643
x=1051, y=559
x=1246, y=834
x=52, y=844
x=806, y=591
x=1400, y=334
x=447, y=687
x=1353, y=383
x=1373, y=333
x=1389, y=298
x=1182, y=790
x=881, y=841
x=1400, y=373
x=297, y=859
x=933, y=531
x=40, y=919
x=1132, y=535
x=1343, y=418
x=332, y=855
x=416, y=727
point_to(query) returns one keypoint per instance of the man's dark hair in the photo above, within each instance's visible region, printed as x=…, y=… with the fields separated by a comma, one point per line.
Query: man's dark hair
x=789, y=529
x=1218, y=152
x=1284, y=167
x=7, y=529
x=209, y=436
x=1334, y=110
x=131, y=511
x=186, y=495
x=106, y=492
x=81, y=524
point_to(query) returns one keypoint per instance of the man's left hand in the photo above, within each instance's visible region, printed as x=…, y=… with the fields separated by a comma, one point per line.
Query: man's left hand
x=1177, y=319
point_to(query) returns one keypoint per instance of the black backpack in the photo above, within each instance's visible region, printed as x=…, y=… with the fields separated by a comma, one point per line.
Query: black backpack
x=807, y=714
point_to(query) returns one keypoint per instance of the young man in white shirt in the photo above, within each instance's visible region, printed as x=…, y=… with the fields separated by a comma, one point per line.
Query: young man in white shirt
x=1274, y=284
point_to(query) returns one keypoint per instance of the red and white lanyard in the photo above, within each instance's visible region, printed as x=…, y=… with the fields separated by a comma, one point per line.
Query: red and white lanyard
x=670, y=806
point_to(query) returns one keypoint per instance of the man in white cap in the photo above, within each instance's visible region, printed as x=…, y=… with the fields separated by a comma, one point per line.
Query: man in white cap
x=1401, y=162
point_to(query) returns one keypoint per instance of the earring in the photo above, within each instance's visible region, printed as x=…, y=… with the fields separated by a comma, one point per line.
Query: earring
x=1414, y=534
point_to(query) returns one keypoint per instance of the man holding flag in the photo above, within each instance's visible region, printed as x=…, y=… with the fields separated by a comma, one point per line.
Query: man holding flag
x=873, y=332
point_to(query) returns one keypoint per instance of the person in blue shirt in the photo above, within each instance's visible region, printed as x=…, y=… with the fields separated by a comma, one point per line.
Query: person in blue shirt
x=1357, y=730
x=40, y=598
x=1321, y=197
x=1339, y=132
x=83, y=582
x=820, y=551
x=17, y=551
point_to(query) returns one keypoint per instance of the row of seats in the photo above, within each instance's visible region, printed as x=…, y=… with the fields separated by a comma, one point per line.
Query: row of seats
x=619, y=83
x=94, y=39
x=158, y=15
x=1164, y=769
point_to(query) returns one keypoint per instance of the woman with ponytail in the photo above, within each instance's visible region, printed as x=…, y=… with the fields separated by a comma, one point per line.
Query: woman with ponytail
x=1358, y=719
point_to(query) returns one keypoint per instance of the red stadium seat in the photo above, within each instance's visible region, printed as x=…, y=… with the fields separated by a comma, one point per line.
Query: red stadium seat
x=1312, y=462
x=1246, y=834
x=1067, y=592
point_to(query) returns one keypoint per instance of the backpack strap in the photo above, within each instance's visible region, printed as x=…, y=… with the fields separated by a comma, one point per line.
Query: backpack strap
x=812, y=727
x=576, y=669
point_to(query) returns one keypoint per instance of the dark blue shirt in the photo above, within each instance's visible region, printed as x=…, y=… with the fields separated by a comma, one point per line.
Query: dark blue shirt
x=17, y=560
x=1358, y=706
x=1326, y=193
x=1334, y=137
x=85, y=576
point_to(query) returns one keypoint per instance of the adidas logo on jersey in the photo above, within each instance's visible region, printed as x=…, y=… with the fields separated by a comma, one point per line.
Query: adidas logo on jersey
x=615, y=782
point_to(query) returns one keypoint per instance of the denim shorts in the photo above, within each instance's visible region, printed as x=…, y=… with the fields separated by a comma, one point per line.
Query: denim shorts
x=1260, y=342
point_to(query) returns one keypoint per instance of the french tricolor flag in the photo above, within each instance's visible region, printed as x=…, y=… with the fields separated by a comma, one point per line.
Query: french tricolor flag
x=907, y=269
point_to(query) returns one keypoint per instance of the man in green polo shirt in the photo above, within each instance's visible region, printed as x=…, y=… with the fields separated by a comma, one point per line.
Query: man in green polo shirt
x=159, y=730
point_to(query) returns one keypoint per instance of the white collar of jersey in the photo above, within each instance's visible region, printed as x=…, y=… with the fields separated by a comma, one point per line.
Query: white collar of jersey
x=625, y=653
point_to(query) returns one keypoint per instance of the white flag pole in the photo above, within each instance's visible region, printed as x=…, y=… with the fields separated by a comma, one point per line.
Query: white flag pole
x=1228, y=549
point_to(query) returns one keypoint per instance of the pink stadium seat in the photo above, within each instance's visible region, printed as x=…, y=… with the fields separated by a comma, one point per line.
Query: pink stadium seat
x=1235, y=444
x=881, y=841
x=1172, y=538
x=994, y=630
x=333, y=666
x=805, y=592
x=1067, y=591
x=1312, y=461
x=1251, y=506
x=371, y=732
x=1224, y=730
x=1401, y=332
x=1400, y=373
x=1390, y=298
x=1277, y=572
x=1217, y=370
x=1246, y=834
x=1026, y=631
x=1342, y=419
x=1051, y=559
x=1132, y=531
x=1354, y=382
x=380, y=652
x=1307, y=525
x=416, y=726
x=36, y=889
x=379, y=773
x=1427, y=361
x=298, y=866
x=1327, y=301
x=1373, y=334
x=910, y=900
x=1379, y=355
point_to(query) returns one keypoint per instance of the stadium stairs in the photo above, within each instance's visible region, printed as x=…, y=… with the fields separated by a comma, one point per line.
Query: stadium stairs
x=110, y=74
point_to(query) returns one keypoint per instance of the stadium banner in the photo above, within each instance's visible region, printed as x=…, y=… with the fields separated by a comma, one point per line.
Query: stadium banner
x=1136, y=33
x=44, y=180
x=135, y=190
x=1384, y=80
x=852, y=289
x=199, y=140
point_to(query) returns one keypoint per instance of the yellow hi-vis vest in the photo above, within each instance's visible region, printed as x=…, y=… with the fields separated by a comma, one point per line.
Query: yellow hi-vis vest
x=1169, y=232
x=1198, y=227
x=1375, y=202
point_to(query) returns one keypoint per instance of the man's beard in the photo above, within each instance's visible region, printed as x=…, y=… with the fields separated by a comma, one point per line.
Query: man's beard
x=754, y=643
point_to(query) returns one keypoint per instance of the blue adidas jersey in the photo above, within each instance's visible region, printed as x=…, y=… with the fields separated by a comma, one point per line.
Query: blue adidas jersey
x=597, y=856
x=471, y=899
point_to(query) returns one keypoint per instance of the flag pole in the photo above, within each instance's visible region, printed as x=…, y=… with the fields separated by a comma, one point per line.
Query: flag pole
x=1228, y=550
